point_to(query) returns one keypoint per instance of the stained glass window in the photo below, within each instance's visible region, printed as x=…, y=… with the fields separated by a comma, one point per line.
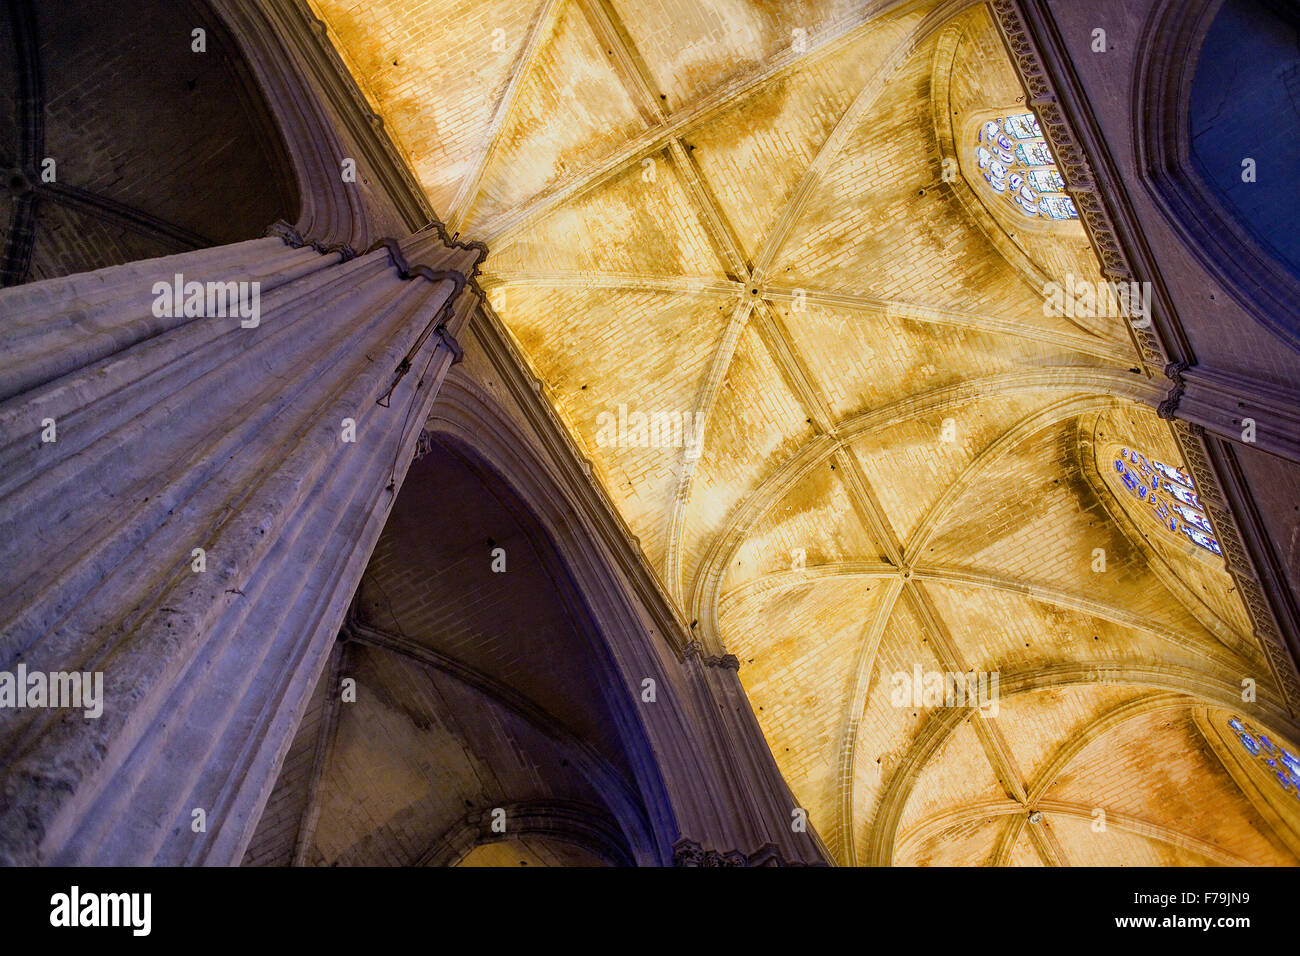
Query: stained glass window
x=1017, y=163
x=1170, y=494
x=1284, y=765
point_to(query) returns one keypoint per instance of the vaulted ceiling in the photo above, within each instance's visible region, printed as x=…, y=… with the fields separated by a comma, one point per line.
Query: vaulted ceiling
x=740, y=211
x=89, y=180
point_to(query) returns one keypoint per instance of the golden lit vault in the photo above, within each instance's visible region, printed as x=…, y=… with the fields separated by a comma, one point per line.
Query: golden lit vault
x=821, y=378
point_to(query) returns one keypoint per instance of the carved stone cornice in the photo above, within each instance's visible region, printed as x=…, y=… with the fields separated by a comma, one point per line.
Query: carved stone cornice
x=694, y=649
x=1174, y=372
x=1024, y=27
x=291, y=236
x=688, y=853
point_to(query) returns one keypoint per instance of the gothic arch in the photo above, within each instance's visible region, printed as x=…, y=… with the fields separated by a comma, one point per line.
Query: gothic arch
x=681, y=743
x=102, y=168
x=469, y=427
x=579, y=825
x=316, y=105
x=1239, y=644
x=1170, y=43
x=619, y=817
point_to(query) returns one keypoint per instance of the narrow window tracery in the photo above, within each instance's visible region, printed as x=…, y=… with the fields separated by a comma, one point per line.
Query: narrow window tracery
x=1283, y=764
x=1170, y=494
x=1017, y=163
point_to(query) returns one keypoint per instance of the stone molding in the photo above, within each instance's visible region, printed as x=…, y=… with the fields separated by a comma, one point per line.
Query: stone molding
x=695, y=651
x=293, y=238
x=688, y=853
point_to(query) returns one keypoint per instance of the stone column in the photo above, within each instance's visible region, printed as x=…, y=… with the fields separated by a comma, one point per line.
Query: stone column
x=765, y=825
x=188, y=499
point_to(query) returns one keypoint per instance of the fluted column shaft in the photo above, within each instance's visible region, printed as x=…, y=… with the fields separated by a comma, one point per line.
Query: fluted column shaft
x=765, y=820
x=261, y=441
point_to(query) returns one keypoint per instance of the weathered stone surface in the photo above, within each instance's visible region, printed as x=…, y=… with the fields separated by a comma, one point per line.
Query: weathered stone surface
x=183, y=433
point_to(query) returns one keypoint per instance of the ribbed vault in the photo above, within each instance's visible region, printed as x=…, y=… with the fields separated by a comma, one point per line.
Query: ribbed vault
x=739, y=212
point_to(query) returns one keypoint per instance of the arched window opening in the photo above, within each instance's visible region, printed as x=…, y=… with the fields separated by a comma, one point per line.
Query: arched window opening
x=1017, y=163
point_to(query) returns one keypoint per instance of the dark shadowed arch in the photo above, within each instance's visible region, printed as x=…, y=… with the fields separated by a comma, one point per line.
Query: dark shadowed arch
x=1231, y=249
x=122, y=143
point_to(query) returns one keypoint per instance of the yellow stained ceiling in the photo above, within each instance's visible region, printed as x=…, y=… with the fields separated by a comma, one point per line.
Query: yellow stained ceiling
x=736, y=210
